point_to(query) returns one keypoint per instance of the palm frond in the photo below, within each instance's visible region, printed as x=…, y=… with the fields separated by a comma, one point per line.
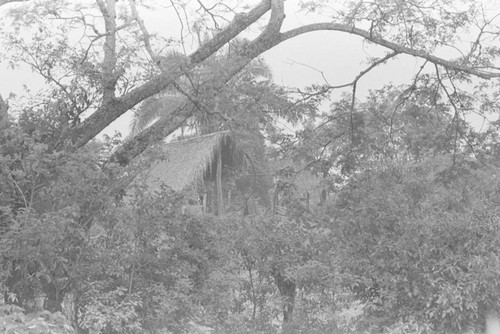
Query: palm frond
x=255, y=70
x=154, y=108
x=259, y=68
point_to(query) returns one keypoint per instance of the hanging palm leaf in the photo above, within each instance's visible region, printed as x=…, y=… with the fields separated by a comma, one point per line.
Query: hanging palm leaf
x=154, y=108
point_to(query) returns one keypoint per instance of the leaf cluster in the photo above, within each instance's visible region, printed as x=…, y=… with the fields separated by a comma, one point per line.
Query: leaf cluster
x=422, y=243
x=15, y=321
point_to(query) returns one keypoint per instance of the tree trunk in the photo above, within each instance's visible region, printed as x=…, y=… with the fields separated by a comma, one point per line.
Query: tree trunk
x=53, y=298
x=287, y=290
x=110, y=72
x=218, y=186
x=4, y=115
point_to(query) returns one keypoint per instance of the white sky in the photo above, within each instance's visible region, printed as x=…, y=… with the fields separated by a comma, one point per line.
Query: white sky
x=298, y=62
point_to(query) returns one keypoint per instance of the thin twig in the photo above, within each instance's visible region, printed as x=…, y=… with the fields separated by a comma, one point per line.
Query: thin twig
x=20, y=190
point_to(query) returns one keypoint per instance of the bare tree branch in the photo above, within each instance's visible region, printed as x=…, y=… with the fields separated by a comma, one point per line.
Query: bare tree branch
x=209, y=12
x=110, y=74
x=4, y=2
x=452, y=65
x=327, y=88
x=145, y=34
x=402, y=98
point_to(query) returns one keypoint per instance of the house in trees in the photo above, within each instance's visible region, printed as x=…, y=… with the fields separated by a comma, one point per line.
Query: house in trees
x=216, y=172
x=195, y=166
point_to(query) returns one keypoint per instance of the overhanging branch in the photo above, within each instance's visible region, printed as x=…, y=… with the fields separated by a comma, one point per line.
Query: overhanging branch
x=269, y=38
x=388, y=44
x=113, y=109
x=4, y=2
x=154, y=133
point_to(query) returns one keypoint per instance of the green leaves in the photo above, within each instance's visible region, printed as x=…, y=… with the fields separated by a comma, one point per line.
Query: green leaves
x=13, y=320
x=421, y=249
x=115, y=310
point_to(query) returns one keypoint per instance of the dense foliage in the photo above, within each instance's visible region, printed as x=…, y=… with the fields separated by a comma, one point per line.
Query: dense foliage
x=15, y=321
x=405, y=241
x=422, y=240
x=376, y=214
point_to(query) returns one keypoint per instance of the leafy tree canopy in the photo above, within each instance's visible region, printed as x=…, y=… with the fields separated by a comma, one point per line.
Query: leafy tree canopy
x=385, y=204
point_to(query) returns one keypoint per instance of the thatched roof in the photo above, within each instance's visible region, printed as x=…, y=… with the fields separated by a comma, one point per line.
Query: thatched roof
x=189, y=161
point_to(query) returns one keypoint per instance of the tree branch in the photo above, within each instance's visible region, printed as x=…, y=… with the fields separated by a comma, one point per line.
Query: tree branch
x=109, y=75
x=269, y=38
x=163, y=128
x=154, y=133
x=111, y=110
x=144, y=30
x=237, y=25
x=4, y=2
x=452, y=65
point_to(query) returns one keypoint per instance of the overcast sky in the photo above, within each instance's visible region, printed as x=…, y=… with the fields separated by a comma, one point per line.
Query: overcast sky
x=311, y=58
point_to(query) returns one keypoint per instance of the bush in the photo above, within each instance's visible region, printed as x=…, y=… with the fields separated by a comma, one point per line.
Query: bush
x=419, y=244
x=13, y=320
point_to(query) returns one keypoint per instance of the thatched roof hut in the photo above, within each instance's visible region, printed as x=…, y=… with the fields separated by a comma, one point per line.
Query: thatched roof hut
x=193, y=161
